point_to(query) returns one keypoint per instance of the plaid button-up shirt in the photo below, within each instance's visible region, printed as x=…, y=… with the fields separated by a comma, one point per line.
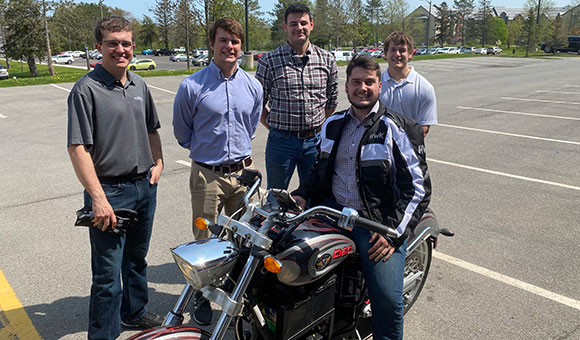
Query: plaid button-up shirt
x=298, y=91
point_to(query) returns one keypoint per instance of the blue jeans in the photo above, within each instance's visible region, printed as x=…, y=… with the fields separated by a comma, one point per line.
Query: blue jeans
x=284, y=153
x=116, y=257
x=384, y=282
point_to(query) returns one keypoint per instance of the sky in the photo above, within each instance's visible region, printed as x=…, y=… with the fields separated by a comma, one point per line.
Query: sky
x=141, y=7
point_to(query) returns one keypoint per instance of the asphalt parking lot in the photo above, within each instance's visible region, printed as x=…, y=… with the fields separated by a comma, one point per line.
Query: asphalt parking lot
x=504, y=164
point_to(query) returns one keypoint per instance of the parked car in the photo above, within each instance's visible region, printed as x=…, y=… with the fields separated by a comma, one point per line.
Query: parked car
x=94, y=53
x=342, y=55
x=465, y=50
x=147, y=52
x=443, y=50
x=494, y=50
x=257, y=56
x=433, y=50
x=179, y=50
x=377, y=54
x=453, y=50
x=142, y=64
x=4, y=72
x=162, y=51
x=95, y=63
x=421, y=51
x=480, y=50
x=63, y=59
x=202, y=60
x=77, y=54
x=178, y=57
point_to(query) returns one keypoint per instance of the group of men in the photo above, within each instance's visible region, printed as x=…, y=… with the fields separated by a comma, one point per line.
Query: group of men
x=366, y=157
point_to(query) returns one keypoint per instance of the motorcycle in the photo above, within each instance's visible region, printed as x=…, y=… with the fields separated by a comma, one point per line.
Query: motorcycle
x=285, y=274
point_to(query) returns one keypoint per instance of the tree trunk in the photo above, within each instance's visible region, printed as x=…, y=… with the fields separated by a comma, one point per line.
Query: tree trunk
x=32, y=66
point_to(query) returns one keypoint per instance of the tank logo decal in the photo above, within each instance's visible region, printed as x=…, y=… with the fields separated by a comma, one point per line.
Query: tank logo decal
x=338, y=253
x=322, y=261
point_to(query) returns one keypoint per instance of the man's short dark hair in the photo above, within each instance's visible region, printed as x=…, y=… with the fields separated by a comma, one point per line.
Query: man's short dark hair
x=365, y=62
x=231, y=26
x=112, y=24
x=297, y=7
x=399, y=38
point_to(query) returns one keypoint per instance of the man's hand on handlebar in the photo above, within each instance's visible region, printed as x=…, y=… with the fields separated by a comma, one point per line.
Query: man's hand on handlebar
x=300, y=200
x=381, y=248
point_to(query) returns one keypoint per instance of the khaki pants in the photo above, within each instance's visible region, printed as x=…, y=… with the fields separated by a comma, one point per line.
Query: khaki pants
x=210, y=193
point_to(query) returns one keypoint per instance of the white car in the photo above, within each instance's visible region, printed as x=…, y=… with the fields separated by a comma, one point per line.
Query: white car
x=3, y=72
x=63, y=59
x=467, y=50
x=494, y=50
x=480, y=50
x=342, y=55
x=454, y=50
x=443, y=50
x=77, y=54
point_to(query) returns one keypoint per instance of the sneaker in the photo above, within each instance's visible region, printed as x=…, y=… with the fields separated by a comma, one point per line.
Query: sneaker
x=202, y=313
x=149, y=320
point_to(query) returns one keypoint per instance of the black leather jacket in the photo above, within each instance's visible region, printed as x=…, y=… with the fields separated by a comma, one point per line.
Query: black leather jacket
x=393, y=180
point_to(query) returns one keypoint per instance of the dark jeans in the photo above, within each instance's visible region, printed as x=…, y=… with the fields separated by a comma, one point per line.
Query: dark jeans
x=384, y=282
x=121, y=256
x=284, y=153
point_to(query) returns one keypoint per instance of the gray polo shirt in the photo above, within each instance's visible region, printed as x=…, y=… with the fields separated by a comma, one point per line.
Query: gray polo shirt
x=112, y=121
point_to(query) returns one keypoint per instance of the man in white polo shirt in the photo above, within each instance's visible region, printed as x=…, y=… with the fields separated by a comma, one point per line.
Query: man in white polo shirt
x=403, y=89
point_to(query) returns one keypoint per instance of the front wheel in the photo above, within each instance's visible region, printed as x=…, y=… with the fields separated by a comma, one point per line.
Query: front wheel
x=132, y=68
x=172, y=333
x=151, y=67
x=417, y=267
x=69, y=62
x=547, y=49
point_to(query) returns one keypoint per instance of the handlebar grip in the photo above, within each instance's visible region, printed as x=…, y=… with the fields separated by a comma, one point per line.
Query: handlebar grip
x=375, y=226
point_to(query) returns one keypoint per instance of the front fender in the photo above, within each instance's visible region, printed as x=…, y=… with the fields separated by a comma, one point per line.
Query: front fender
x=427, y=227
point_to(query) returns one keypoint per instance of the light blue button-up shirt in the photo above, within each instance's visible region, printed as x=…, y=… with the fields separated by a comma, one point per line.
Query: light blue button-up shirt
x=215, y=117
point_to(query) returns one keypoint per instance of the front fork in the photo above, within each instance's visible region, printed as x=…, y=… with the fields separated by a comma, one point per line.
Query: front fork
x=231, y=305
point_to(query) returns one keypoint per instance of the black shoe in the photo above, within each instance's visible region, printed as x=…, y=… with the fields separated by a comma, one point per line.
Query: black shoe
x=149, y=320
x=202, y=313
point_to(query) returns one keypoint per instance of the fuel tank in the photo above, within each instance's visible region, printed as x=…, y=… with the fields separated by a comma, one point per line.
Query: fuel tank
x=316, y=248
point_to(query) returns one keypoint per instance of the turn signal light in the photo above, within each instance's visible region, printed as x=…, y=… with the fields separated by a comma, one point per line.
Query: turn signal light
x=201, y=223
x=272, y=265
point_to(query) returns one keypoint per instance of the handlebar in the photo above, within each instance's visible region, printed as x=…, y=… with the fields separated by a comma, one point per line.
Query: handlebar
x=347, y=218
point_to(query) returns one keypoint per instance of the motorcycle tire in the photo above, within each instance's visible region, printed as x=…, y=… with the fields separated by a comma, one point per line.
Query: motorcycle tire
x=417, y=263
x=172, y=333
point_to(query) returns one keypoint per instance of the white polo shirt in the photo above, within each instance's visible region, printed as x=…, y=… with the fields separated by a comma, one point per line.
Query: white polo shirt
x=413, y=97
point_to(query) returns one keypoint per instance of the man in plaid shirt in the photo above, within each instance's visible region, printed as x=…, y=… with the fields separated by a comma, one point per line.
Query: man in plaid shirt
x=300, y=82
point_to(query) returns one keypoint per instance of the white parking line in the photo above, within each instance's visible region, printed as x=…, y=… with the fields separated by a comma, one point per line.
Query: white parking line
x=515, y=112
x=509, y=134
x=160, y=89
x=2, y=116
x=557, y=92
x=529, y=179
x=540, y=100
x=572, y=85
x=60, y=87
x=509, y=280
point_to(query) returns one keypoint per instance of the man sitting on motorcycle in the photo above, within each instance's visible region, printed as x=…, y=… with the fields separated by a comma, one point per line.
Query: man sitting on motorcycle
x=372, y=159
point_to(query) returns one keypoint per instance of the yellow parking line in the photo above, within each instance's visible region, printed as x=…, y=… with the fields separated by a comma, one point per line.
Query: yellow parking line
x=14, y=322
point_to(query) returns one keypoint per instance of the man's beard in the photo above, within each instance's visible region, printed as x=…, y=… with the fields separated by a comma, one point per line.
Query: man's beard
x=362, y=107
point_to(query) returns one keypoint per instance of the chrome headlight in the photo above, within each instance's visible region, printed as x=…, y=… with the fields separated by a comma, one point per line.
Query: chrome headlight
x=206, y=261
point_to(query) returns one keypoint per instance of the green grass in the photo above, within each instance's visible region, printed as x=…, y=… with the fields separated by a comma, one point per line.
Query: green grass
x=63, y=74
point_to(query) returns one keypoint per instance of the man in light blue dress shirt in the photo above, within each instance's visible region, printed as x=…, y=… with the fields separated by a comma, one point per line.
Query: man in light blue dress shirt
x=215, y=114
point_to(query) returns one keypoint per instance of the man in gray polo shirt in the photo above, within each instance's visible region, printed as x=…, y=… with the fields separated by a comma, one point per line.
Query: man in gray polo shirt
x=116, y=153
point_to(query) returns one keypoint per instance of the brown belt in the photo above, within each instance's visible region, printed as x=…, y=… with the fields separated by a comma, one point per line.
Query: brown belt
x=226, y=169
x=303, y=134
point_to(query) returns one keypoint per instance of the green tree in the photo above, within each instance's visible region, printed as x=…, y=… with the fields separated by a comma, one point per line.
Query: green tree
x=515, y=31
x=498, y=31
x=163, y=13
x=483, y=20
x=148, y=34
x=374, y=12
x=444, y=24
x=258, y=27
x=358, y=27
x=322, y=34
x=25, y=38
x=464, y=8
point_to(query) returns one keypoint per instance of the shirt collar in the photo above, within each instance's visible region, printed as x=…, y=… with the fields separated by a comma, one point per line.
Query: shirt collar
x=287, y=48
x=371, y=113
x=218, y=73
x=411, y=77
x=108, y=78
